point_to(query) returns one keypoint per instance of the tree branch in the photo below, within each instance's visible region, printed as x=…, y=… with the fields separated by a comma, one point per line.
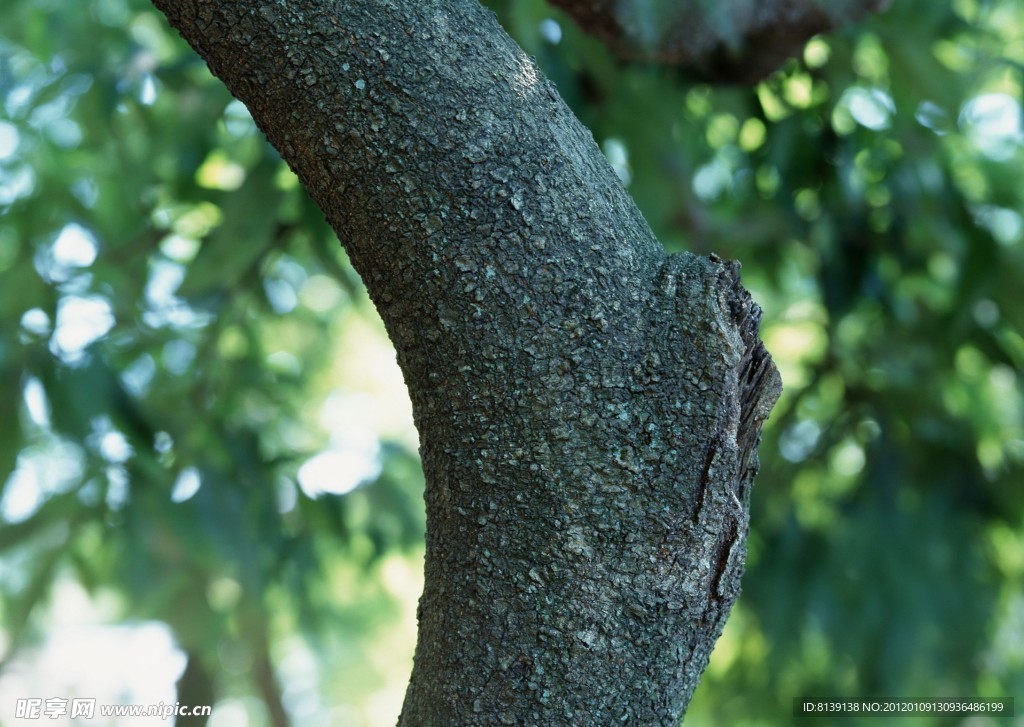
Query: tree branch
x=729, y=41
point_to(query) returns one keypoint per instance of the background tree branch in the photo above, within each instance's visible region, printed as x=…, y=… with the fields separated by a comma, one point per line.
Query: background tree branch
x=735, y=41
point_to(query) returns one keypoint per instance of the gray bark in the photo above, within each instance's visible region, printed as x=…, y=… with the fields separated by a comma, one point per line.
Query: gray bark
x=726, y=41
x=588, y=406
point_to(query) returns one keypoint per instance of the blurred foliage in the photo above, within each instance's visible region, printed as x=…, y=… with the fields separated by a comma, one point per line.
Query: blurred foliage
x=171, y=315
x=180, y=428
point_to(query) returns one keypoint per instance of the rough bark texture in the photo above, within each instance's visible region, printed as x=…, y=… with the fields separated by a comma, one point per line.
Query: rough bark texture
x=588, y=407
x=728, y=41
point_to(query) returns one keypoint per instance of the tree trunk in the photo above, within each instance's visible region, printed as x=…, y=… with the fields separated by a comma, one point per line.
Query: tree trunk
x=195, y=688
x=588, y=407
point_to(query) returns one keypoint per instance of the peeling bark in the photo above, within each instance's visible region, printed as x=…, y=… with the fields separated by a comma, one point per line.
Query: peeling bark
x=588, y=406
x=725, y=41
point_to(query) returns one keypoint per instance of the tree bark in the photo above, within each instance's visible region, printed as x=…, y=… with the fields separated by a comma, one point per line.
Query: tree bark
x=725, y=41
x=588, y=406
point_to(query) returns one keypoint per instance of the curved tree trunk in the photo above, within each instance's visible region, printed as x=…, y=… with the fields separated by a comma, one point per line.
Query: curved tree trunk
x=588, y=407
